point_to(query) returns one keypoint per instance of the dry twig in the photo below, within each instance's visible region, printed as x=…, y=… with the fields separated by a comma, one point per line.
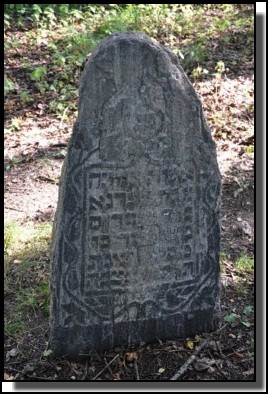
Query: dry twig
x=41, y=378
x=136, y=370
x=14, y=369
x=217, y=365
x=86, y=371
x=106, y=366
x=183, y=369
x=14, y=209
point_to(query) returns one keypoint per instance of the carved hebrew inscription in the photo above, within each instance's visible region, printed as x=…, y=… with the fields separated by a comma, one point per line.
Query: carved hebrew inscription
x=136, y=235
x=131, y=238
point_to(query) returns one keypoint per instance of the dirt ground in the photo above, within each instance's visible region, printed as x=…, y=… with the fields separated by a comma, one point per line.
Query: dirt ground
x=31, y=192
x=31, y=195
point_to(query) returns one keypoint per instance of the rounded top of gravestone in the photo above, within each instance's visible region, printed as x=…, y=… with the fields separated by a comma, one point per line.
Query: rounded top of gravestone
x=128, y=35
x=121, y=35
x=131, y=37
x=135, y=94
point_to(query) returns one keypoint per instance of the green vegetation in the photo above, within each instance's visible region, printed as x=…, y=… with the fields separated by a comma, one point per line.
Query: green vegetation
x=234, y=319
x=26, y=272
x=36, y=298
x=244, y=264
x=8, y=85
x=241, y=316
x=10, y=241
x=67, y=33
x=239, y=286
x=26, y=242
x=15, y=325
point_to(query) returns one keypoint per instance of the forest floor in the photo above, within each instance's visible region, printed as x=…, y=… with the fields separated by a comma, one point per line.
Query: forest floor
x=35, y=147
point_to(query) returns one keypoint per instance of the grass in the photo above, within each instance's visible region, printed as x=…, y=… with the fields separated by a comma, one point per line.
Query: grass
x=241, y=278
x=240, y=288
x=244, y=264
x=14, y=326
x=243, y=268
x=26, y=273
x=28, y=241
x=10, y=238
x=241, y=265
x=34, y=298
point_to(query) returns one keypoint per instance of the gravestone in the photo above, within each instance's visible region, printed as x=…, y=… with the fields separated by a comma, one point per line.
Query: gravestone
x=136, y=236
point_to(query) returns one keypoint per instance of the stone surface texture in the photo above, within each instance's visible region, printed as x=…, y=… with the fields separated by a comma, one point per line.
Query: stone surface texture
x=136, y=237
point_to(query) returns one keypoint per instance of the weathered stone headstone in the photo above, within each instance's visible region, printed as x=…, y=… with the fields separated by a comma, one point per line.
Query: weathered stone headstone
x=136, y=236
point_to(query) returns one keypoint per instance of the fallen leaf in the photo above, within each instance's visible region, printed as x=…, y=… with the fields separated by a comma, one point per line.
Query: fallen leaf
x=249, y=372
x=236, y=192
x=246, y=323
x=47, y=353
x=239, y=355
x=75, y=368
x=12, y=353
x=246, y=228
x=8, y=377
x=213, y=345
x=161, y=370
x=190, y=345
x=179, y=348
x=28, y=368
x=203, y=363
x=131, y=356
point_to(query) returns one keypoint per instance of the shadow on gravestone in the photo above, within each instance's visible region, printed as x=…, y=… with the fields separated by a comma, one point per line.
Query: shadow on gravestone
x=136, y=237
